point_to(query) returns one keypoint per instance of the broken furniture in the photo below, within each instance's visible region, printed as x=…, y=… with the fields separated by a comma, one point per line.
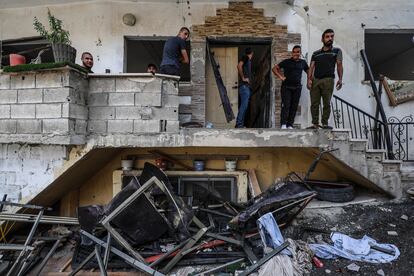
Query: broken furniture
x=29, y=249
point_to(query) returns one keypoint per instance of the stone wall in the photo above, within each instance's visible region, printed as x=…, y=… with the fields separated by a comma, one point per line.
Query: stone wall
x=65, y=106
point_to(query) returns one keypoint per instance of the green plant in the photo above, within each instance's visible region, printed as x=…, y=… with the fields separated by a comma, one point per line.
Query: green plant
x=56, y=33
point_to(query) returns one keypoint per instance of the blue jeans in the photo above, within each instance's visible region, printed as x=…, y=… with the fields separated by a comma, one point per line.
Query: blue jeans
x=244, y=96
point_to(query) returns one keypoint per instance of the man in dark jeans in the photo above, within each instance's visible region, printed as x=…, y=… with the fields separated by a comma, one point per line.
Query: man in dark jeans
x=321, y=78
x=291, y=85
x=175, y=53
x=244, y=68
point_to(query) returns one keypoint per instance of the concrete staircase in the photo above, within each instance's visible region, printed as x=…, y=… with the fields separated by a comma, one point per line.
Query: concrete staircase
x=371, y=163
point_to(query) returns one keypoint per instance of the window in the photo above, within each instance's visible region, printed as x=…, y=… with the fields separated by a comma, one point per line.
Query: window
x=390, y=53
x=140, y=51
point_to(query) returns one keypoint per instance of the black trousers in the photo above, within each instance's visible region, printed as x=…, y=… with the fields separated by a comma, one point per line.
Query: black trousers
x=170, y=70
x=290, y=102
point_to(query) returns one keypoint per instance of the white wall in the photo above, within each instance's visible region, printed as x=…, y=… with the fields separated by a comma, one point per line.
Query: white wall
x=25, y=170
x=101, y=21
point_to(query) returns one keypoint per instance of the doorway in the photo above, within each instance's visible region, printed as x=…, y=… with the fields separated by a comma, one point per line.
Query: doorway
x=227, y=54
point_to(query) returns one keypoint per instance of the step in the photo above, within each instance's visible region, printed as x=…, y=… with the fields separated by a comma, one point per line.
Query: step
x=392, y=165
x=341, y=134
x=359, y=145
x=375, y=154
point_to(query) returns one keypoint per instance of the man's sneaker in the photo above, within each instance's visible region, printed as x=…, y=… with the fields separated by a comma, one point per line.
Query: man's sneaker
x=327, y=127
x=283, y=127
x=290, y=127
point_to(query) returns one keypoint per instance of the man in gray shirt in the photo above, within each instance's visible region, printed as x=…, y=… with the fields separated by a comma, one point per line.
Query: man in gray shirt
x=175, y=53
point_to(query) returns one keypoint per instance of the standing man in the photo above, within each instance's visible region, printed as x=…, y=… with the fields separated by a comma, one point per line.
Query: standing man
x=175, y=53
x=244, y=68
x=291, y=85
x=321, y=78
x=87, y=61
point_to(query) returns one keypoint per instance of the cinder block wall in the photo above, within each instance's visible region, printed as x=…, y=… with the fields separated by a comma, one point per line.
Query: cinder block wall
x=65, y=106
x=132, y=105
x=43, y=107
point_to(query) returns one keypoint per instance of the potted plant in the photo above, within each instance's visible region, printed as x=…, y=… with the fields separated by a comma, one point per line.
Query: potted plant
x=58, y=37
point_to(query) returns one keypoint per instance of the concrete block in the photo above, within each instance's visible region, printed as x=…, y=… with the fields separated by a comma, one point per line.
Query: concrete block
x=129, y=85
x=74, y=111
x=121, y=99
x=98, y=85
x=153, y=86
x=127, y=112
x=102, y=113
x=146, y=126
x=165, y=113
x=58, y=95
x=97, y=126
x=21, y=81
x=58, y=126
x=169, y=87
x=169, y=100
x=29, y=126
x=51, y=110
x=120, y=126
x=98, y=99
x=49, y=79
x=4, y=111
x=4, y=81
x=23, y=111
x=81, y=126
x=172, y=126
x=8, y=96
x=148, y=99
x=7, y=126
x=146, y=113
x=30, y=95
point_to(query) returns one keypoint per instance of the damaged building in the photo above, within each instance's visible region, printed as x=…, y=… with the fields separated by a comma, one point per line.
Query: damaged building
x=147, y=172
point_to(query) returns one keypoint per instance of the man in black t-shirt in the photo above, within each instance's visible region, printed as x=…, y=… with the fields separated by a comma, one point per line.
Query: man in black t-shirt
x=175, y=53
x=291, y=85
x=321, y=78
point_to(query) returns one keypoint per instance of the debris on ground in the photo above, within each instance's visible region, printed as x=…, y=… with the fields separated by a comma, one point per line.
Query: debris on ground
x=392, y=233
x=151, y=227
x=380, y=272
x=353, y=267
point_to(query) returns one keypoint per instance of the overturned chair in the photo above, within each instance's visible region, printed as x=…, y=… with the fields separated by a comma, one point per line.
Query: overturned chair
x=133, y=218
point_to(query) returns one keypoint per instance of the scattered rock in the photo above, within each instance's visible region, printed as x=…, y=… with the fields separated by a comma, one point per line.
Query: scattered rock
x=327, y=271
x=333, y=229
x=380, y=272
x=404, y=217
x=392, y=225
x=353, y=267
x=392, y=233
x=319, y=239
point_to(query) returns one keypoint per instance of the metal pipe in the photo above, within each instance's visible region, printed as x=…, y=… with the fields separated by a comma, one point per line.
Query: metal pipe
x=49, y=254
x=28, y=240
x=381, y=108
x=101, y=265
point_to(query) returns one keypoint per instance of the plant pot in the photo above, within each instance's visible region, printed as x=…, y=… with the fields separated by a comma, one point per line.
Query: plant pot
x=63, y=52
x=16, y=59
x=198, y=165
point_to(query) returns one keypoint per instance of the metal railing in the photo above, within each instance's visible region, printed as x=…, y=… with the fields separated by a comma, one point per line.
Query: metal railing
x=402, y=137
x=366, y=126
x=361, y=124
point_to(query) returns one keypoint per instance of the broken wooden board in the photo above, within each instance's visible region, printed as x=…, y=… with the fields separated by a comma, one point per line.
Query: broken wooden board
x=254, y=187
